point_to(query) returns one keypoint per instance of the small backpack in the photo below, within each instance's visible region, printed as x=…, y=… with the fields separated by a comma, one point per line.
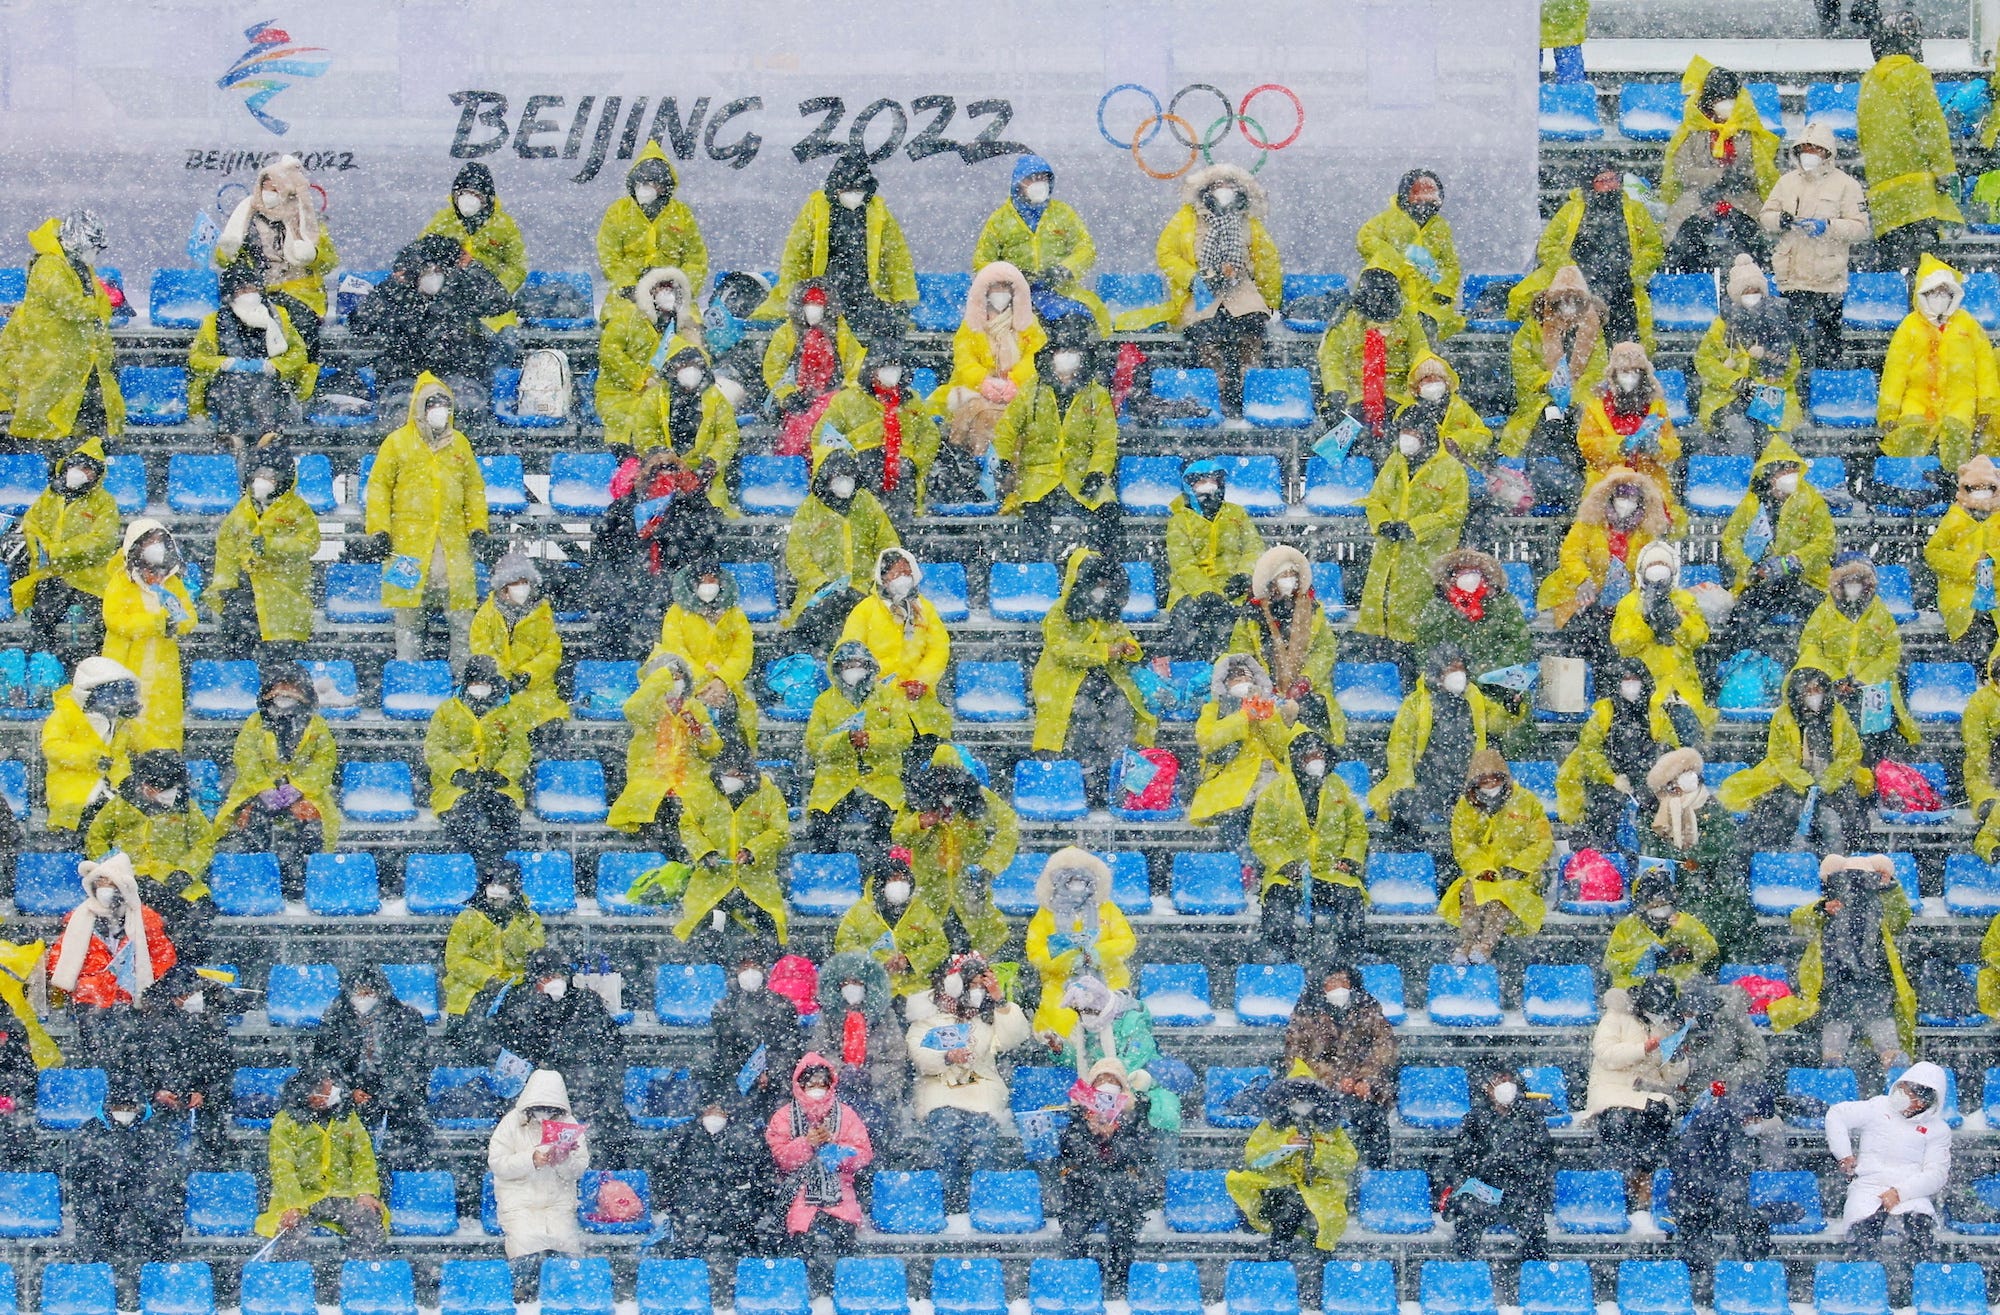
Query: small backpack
x=1148, y=791
x=1901, y=788
x=1595, y=879
x=546, y=389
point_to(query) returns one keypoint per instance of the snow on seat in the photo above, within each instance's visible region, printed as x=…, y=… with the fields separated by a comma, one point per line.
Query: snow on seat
x=1189, y=385
x=1818, y=1088
x=1649, y=111
x=1568, y=113
x=1756, y=1288
x=221, y=691
x=1176, y=994
x=1147, y=486
x=1466, y=995
x=1368, y=691
x=1683, y=303
x=1781, y=882
x=1232, y=1097
x=824, y=885
x=1006, y=1201
x=1278, y=399
x=1456, y=1287
x=1198, y=1201
x=1336, y=488
x=414, y=691
x=1047, y=791
x=686, y=994
x=1938, y=691
x=1402, y=883
x=580, y=482
x=1395, y=1201
x=1432, y=1097
x=1359, y=1287
x=1266, y=994
x=1207, y=884
x=1715, y=485
x=1877, y=300
x=1254, y=482
x=1064, y=1287
x=1850, y=1288
x=1559, y=994
x=1260, y=1287
x=867, y=1285
x=377, y=792
x=202, y=483
x=1022, y=591
x=908, y=1203
x=1384, y=981
x=1836, y=105
x=68, y=1098
x=1590, y=1201
x=1971, y=887
x=1652, y=1287
x=943, y=584
x=962, y=1286
x=438, y=884
x=1556, y=1287
x=770, y=486
x=1842, y=399
x=182, y=298
x=570, y=790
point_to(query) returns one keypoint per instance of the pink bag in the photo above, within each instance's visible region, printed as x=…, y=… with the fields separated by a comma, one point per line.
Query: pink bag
x=1594, y=878
x=1901, y=788
x=1762, y=990
x=1158, y=793
x=617, y=1203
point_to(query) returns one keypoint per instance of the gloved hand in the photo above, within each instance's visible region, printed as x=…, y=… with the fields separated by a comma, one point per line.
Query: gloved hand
x=1093, y=484
x=976, y=876
x=1236, y=587
x=1142, y=1081
x=371, y=548
x=1395, y=531
x=257, y=545
x=477, y=540
x=1785, y=220
x=1056, y=275
x=465, y=778
x=1664, y=618
x=520, y=681
x=1813, y=227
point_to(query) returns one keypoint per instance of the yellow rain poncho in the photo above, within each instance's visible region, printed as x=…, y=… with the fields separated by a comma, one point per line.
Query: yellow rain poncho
x=1238, y=751
x=1464, y=434
x=1289, y=654
x=1050, y=445
x=1866, y=648
x=529, y=646
x=1317, y=1166
x=942, y=850
x=672, y=737
x=1671, y=661
x=918, y=938
x=629, y=244
x=1432, y=502
x=1723, y=363
x=1905, y=146
x=57, y=339
x=910, y=644
x=1067, y=936
x=206, y=360
x=1989, y=970
x=74, y=540
x=160, y=844
x=711, y=826
x=1202, y=553
x=857, y=413
x=496, y=244
x=1587, y=764
x=629, y=342
x=1587, y=557
x=714, y=435
x=1808, y=922
x=1060, y=238
x=313, y=1159
x=77, y=756
x=1635, y=945
x=1804, y=526
x=1385, y=241
x=1513, y=843
x=1744, y=129
x=1410, y=736
x=18, y=963
x=880, y=711
x=1979, y=728
x=427, y=500
x=715, y=641
x=1963, y=545
x=1554, y=250
x=891, y=275
x=1343, y=350
x=1075, y=646
x=1783, y=763
x=1333, y=842
x=273, y=549
x=478, y=951
x=1938, y=376
x=310, y=769
x=143, y=625
x=461, y=740
x=1180, y=263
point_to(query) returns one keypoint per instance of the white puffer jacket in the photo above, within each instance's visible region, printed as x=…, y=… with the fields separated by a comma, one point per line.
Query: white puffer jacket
x=536, y=1205
x=1623, y=1073
x=1911, y=1155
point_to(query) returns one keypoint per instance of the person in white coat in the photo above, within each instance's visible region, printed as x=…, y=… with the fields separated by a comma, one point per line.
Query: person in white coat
x=536, y=1172
x=1633, y=1073
x=960, y=1099
x=1896, y=1152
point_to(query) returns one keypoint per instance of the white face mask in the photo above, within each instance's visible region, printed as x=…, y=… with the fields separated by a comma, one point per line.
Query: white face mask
x=896, y=892
x=169, y=797
x=75, y=477
x=124, y=1118
x=518, y=594
x=1814, y=701
x=1855, y=590
x=555, y=988
x=1504, y=1094
x=1287, y=585
x=478, y=693
x=815, y=1088
x=1811, y=161
x=195, y=1004
x=853, y=200
x=249, y=307
x=1301, y=1108
x=1409, y=444
x=1658, y=573
x=498, y=894
x=1109, y=1089
x=815, y=313
x=733, y=784
x=1099, y=594
x=1627, y=380
x=1469, y=580
x=688, y=376
x=364, y=1004
x=645, y=194
x=1454, y=682
x=1689, y=782
x=854, y=993
x=750, y=979
x=1624, y=506
x=975, y=996
x=469, y=203
x=271, y=198
x=708, y=590
x=954, y=985
x=675, y=688
x=899, y=588
x=1937, y=299
x=1036, y=192
x=438, y=418
x=1239, y=689
x=999, y=299
x=714, y=1123
x=154, y=554
x=853, y=675
x=1068, y=363
x=1315, y=767
x=285, y=703
x=1752, y=300
x=1433, y=390
x=890, y=376
x=1492, y=791
x=1224, y=197
x=1206, y=489
x=1338, y=996
x=841, y=486
x=665, y=300
x=1631, y=689
x=431, y=284
x=1723, y=110
x=262, y=489
x=1787, y=483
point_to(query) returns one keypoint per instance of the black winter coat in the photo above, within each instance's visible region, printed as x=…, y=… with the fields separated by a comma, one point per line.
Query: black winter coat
x=723, y=1185
x=1506, y=1148
x=126, y=1189
x=385, y=1054
x=411, y=332
x=743, y=1022
x=1100, y=1175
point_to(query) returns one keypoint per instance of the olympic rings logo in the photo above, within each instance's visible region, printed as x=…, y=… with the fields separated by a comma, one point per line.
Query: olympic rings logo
x=1200, y=145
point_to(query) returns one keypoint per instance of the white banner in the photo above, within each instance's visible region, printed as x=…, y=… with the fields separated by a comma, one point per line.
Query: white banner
x=154, y=113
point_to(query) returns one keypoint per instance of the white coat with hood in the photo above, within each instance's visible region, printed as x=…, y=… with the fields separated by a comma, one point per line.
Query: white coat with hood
x=536, y=1205
x=1912, y=1155
x=976, y=1087
x=1623, y=1073
x=1803, y=262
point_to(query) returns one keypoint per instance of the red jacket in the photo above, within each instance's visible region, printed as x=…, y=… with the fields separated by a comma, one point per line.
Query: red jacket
x=95, y=985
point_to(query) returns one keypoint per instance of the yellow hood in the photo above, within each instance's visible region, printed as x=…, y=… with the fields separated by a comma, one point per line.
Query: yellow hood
x=45, y=239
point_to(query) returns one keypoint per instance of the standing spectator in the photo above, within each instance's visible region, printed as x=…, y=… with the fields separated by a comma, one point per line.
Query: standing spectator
x=1658, y=624
x=375, y=1045
x=1630, y=1103
x=1046, y=240
x=1218, y=238
x=1605, y=774
x=1285, y=626
x=1558, y=357
x=1779, y=543
x=1500, y=840
x=247, y=365
x=1087, y=704
x=25, y=1048
x=1308, y=834
x=1902, y=1162
x=1444, y=720
x=1656, y=937
x=1366, y=356
x=757, y=1041
x=484, y=231
x=516, y=627
x=837, y=535
x=1417, y=510
x=147, y=610
x=183, y=1043
x=1612, y=239
x=1297, y=1164
x=673, y=739
x=322, y=1171
x=723, y=1193
x=855, y=740
x=1338, y=1032
x=281, y=800
x=634, y=557
x=819, y=1143
x=1905, y=148
x=1502, y=1169
x=489, y=943
x=87, y=742
x=1212, y=547
x=845, y=234
x=1564, y=23
x=960, y=1098
x=69, y=539
x=861, y=1033
x=1818, y=211
x=262, y=591
x=1693, y=830
x=1719, y=165
x=1851, y=974
x=56, y=371
x=959, y=835
x=112, y=948
x=554, y=1027
x=1076, y=930
x=155, y=820
x=1104, y=1170
x=1811, y=778
x=277, y=229
x=1413, y=240
x=650, y=226
x=1980, y=731
x=125, y=1179
x=1718, y=1148
x=537, y=1155
x=1963, y=552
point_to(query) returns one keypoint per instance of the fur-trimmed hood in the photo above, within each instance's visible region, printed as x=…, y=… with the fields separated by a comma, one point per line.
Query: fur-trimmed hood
x=855, y=965
x=1854, y=566
x=1595, y=509
x=1632, y=356
x=1065, y=861
x=1980, y=470
x=1199, y=181
x=1568, y=280
x=1000, y=273
x=1469, y=559
x=687, y=312
x=1272, y=563
x=1671, y=764
x=1218, y=679
x=1880, y=864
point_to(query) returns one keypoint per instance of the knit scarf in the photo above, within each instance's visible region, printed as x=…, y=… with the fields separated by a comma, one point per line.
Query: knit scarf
x=1223, y=238
x=1290, y=630
x=1471, y=603
x=820, y=1184
x=1374, y=378
x=817, y=362
x=892, y=436
x=1622, y=424
x=1676, y=821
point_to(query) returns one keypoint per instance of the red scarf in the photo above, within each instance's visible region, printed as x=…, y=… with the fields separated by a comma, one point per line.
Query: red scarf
x=892, y=436
x=1472, y=604
x=854, y=1039
x=1374, y=378
x=817, y=362
x=1623, y=425
x=1616, y=541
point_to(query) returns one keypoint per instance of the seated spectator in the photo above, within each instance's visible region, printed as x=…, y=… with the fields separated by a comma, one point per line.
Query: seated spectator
x=1417, y=510
x=87, y=742
x=1778, y=544
x=262, y=591
x=277, y=228
x=858, y=1029
x=819, y=1142
x=960, y=1098
x=323, y=1172
x=891, y=925
x=155, y=820
x=375, y=1046
x=959, y=835
x=1902, y=1163
x=1819, y=211
x=426, y=509
x=650, y=226
x=1218, y=238
x=1366, y=356
x=1500, y=842
x=1444, y=720
x=1046, y=240
x=706, y=628
x=837, y=535
x=688, y=413
x=1611, y=239
x=1285, y=627
x=656, y=322
x=673, y=739
x=1658, y=624
x=855, y=740
x=635, y=555
x=1961, y=553
x=757, y=1041
x=889, y=429
x=1242, y=733
x=1308, y=832
x=184, y=1060
x=734, y=828
x=1979, y=730
x=123, y=1180
x=1851, y=974
x=993, y=355
x=1057, y=445
x=485, y=231
x=1621, y=514
x=69, y=539
x=1413, y=240
x=1624, y=424
x=1656, y=937
x=1747, y=361
x=1719, y=165
x=1297, y=1165
x=281, y=800
x=1502, y=1168
x=1339, y=1034
x=1724, y=1045
x=1606, y=773
x=551, y=1026
x=845, y=234
x=112, y=948
x=724, y=1194
x=476, y=748
x=488, y=945
x=1087, y=704
x=1936, y=379
x=25, y=1049
x=56, y=372
x=1558, y=357
x=1692, y=829
x=1104, y=1170
x=1852, y=637
x=1718, y=1148
x=1212, y=548
x=516, y=628
x=1631, y=1101
x=1117, y=1026
x=247, y=366
x=147, y=609
x=1472, y=608
x=1441, y=401
x=1811, y=781
x=537, y=1154
x=428, y=318
x=809, y=358
x=909, y=641
x=1076, y=930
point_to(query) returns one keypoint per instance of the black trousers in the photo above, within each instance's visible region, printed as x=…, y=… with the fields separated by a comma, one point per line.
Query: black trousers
x=1103, y=529
x=65, y=621
x=1471, y=1217
x=1816, y=327
x=1198, y=628
x=1900, y=248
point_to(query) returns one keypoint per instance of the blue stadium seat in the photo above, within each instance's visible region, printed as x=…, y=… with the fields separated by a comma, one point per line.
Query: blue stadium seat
x=576, y=1285
x=337, y=686
x=1842, y=399
x=1176, y=994
x=1065, y=1287
x=342, y=885
x=1752, y=1288
x=1129, y=292
x=1198, y=1201
x=577, y=282
x=1463, y=996
x=580, y=482
x=1384, y=981
x=1231, y=1097
x=14, y=787
x=1254, y=482
x=14, y=290
x=907, y=1203
x=1266, y=993
x=1716, y=484
x=673, y=1287
x=475, y=1287
x=1402, y=883
x=377, y=792
x=299, y=994
x=182, y=1288
x=182, y=298
x=944, y=585
x=1590, y=1201
x=416, y=985
x=1278, y=399
x=1395, y=1201
x=1652, y=1287
x=1207, y=884
x=1298, y=286
x=1039, y=1101
x=1850, y=1288
x=1834, y=104
x=940, y=302
x=1649, y=111
x=772, y=1287
x=825, y=885
x=1189, y=385
x=1683, y=303
x=961, y=1286
x=1973, y=1019
x=1258, y=1287
x=570, y=790
x=771, y=486
x=246, y=885
x=1559, y=995
x=1982, y=299
x=1432, y=1097
x=321, y=414
x=285, y=1288
x=413, y=691
x=438, y=884
x=1022, y=591
x=1971, y=888
x=1781, y=882
x=353, y=594
x=1794, y=1188
x=1877, y=300
x=1049, y=791
x=456, y=1082
x=1147, y=486
x=1006, y=1201
x=1538, y=778
x=1456, y=1287
x=1958, y=1289
x=1475, y=288
x=23, y=477
x=313, y=480
x=1336, y=488
x=548, y=879
x=1169, y=1288
x=506, y=486
x=1910, y=475
x=601, y=688
x=616, y=871
x=1014, y=887
x=685, y=994
x=253, y=1095
x=1893, y=587
x=1569, y=113
x=68, y=1098
x=756, y=589
x=659, y=1098
x=1359, y=1287
x=1937, y=691
x=1560, y=1287
x=78, y=1289
x=221, y=1204
x=202, y=483
x=870, y=1285
x=45, y=885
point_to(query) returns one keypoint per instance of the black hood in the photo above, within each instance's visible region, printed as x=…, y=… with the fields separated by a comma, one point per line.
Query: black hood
x=850, y=172
x=1378, y=297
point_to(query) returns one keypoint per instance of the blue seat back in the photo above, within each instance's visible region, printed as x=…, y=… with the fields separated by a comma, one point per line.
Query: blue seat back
x=416, y=985
x=1684, y=303
x=1432, y=1097
x=1394, y=1200
x=221, y=1204
x=570, y=790
x=1753, y=1288
x=1559, y=1287
x=771, y=486
x=1937, y=691
x=772, y=1287
x=202, y=483
x=1065, y=1287
x=68, y=1098
x=1006, y=1201
x=1190, y=385
x=940, y=302
x=1176, y=994
x=1456, y=1287
x=342, y=885
x=1050, y=791
x=1559, y=994
x=1850, y=1288
x=1958, y=1289
x=825, y=885
x=686, y=994
x=1877, y=300
x=1842, y=399
x=78, y=1289
x=284, y=1288
x=1463, y=996
x=1278, y=399
x=1649, y=111
x=1569, y=112
x=413, y=691
x=1368, y=691
x=1170, y=1288
x=576, y=280
x=1835, y=104
x=580, y=482
x=1654, y=1287
x=989, y=692
x=1257, y=1287
x=181, y=298
x=475, y=1287
x=1336, y=488
x=968, y=1286
x=1590, y=1201
x=673, y=1287
x=1254, y=482
x=907, y=1202
x=1267, y=993
x=576, y=1285
x=299, y=994
x=181, y=1288
x=1205, y=884
x=1781, y=882
x=1402, y=883
x=1022, y=591
x=246, y=885
x=438, y=883
x=377, y=1287
x=870, y=1285
x=1198, y=1201
x=1358, y=1287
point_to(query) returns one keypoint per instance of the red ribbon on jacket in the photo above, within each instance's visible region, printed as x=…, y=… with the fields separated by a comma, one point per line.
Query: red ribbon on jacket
x=892, y=436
